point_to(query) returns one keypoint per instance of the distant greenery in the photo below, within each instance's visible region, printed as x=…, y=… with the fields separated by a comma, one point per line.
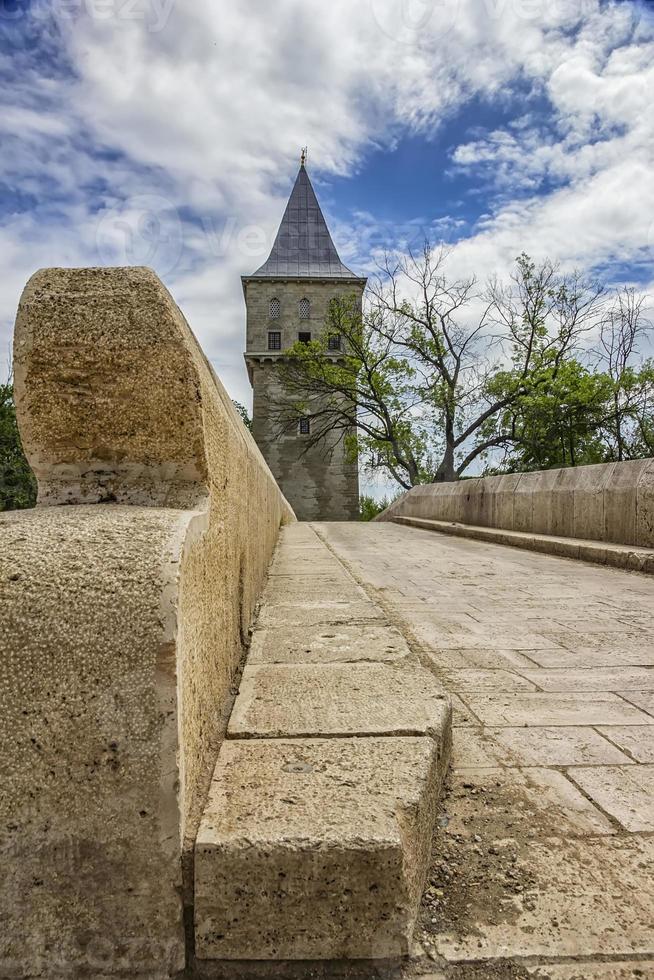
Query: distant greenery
x=17, y=483
x=369, y=507
x=243, y=412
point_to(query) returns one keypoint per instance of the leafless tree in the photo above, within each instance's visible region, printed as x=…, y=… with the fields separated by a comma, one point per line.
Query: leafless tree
x=623, y=329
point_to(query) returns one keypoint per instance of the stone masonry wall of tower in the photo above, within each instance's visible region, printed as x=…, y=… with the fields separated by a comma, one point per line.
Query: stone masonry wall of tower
x=321, y=483
x=286, y=297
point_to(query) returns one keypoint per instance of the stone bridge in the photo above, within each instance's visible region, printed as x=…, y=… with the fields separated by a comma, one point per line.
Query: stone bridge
x=226, y=735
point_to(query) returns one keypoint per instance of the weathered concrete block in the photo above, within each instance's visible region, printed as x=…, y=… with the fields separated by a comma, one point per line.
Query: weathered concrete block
x=545, y=514
x=645, y=507
x=610, y=502
x=470, y=494
x=523, y=502
x=89, y=811
x=505, y=500
x=588, y=483
x=486, y=501
x=419, y=497
x=315, y=849
x=620, y=501
x=456, y=494
x=293, y=700
x=561, y=508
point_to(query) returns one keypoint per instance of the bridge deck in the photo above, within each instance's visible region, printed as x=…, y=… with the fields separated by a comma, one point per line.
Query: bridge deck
x=542, y=864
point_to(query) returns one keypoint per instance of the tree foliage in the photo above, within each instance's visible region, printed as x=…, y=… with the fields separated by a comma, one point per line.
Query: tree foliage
x=440, y=374
x=369, y=507
x=243, y=412
x=17, y=483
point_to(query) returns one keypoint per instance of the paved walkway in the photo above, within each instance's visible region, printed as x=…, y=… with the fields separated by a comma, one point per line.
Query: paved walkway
x=543, y=861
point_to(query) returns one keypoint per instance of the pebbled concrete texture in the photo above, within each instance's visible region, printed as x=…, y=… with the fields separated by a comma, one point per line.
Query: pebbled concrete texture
x=125, y=616
x=90, y=828
x=315, y=841
x=609, y=502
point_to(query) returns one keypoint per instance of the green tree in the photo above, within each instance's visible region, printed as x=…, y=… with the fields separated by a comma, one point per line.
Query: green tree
x=17, y=483
x=365, y=395
x=428, y=378
x=243, y=412
x=559, y=422
x=639, y=385
x=369, y=508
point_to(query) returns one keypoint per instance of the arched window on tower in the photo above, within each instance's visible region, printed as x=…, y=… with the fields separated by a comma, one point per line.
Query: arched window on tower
x=275, y=309
x=304, y=309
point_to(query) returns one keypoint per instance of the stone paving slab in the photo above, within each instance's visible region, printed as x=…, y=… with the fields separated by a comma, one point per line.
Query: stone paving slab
x=298, y=533
x=484, y=680
x=585, y=970
x=581, y=886
x=315, y=848
x=643, y=701
x=608, y=657
x=541, y=746
x=309, y=613
x=477, y=658
x=594, y=679
x=311, y=569
x=287, y=588
x=588, y=642
x=578, y=622
x=427, y=631
x=306, y=571
x=534, y=796
x=638, y=741
x=347, y=642
x=296, y=700
x=626, y=792
x=596, y=708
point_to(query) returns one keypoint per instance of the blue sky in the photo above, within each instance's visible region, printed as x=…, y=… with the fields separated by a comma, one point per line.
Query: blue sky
x=168, y=134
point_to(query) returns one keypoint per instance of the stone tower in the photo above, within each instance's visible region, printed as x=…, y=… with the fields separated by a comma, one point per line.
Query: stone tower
x=287, y=300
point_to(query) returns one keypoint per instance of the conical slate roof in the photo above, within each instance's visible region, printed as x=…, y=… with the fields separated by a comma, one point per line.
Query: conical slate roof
x=303, y=246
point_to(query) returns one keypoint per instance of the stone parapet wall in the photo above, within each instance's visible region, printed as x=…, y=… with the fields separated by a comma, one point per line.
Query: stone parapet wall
x=124, y=621
x=612, y=502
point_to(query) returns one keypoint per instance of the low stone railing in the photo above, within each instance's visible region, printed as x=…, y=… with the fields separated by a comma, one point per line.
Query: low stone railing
x=126, y=599
x=610, y=502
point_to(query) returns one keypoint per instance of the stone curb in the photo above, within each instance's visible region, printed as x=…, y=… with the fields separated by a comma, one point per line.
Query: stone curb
x=598, y=552
x=315, y=840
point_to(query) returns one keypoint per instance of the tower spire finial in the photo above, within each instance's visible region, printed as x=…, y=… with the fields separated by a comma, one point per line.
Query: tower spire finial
x=303, y=156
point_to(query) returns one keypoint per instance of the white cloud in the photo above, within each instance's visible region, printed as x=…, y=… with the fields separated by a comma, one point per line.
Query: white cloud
x=203, y=107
